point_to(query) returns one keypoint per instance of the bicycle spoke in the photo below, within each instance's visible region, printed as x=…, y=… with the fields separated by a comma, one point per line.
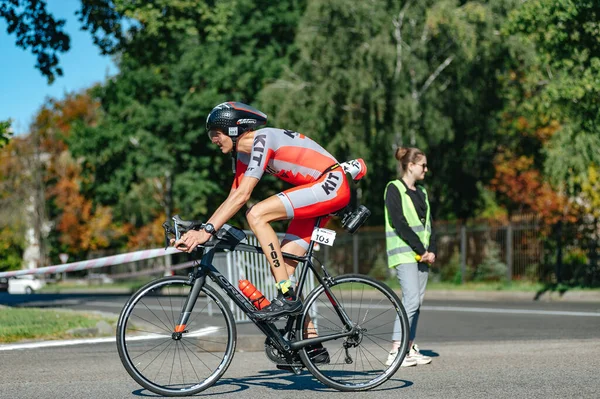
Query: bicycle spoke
x=201, y=361
x=202, y=349
x=372, y=310
x=167, y=329
x=156, y=357
x=179, y=364
x=190, y=362
x=151, y=349
x=163, y=323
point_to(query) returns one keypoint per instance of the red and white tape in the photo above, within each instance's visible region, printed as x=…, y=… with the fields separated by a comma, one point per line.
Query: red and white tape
x=94, y=263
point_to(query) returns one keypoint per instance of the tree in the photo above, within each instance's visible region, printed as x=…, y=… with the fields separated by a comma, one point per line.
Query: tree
x=37, y=30
x=375, y=75
x=79, y=225
x=12, y=198
x=5, y=132
x=149, y=154
x=553, y=88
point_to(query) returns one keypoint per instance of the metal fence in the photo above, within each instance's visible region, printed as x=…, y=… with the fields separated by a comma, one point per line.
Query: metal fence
x=254, y=267
x=481, y=250
x=465, y=252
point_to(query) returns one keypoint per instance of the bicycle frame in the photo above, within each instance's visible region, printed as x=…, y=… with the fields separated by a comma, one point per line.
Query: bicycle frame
x=206, y=268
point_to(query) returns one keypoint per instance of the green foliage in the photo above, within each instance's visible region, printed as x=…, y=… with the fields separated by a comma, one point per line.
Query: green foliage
x=559, y=79
x=450, y=271
x=5, y=132
x=380, y=270
x=462, y=80
x=151, y=135
x=12, y=246
x=416, y=74
x=491, y=268
x=37, y=30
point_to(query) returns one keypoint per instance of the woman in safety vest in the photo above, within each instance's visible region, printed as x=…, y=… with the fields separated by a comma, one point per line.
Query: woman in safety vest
x=410, y=243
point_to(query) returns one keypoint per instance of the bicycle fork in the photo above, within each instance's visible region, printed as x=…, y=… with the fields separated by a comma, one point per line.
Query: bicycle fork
x=190, y=301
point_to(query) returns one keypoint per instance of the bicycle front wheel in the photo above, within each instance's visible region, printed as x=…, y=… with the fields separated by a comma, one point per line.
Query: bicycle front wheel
x=167, y=363
x=356, y=362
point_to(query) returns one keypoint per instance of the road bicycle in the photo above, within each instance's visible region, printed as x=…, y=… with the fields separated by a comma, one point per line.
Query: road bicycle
x=176, y=336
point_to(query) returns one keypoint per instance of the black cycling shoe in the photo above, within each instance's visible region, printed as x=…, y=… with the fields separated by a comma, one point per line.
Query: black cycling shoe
x=280, y=306
x=318, y=354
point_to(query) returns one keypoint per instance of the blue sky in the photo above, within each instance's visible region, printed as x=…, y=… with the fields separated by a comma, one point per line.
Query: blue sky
x=23, y=89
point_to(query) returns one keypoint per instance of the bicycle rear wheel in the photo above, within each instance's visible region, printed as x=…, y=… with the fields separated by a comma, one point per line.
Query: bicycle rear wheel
x=356, y=362
x=163, y=362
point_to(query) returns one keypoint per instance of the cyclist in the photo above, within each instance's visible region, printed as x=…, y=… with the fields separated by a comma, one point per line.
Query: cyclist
x=320, y=188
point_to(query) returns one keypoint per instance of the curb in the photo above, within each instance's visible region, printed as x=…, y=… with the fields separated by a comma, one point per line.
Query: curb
x=548, y=296
x=250, y=343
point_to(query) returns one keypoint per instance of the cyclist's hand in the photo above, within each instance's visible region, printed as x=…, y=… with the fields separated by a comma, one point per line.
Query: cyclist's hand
x=191, y=240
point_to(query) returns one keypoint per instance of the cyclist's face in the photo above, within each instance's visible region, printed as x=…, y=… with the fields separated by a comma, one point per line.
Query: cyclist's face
x=222, y=140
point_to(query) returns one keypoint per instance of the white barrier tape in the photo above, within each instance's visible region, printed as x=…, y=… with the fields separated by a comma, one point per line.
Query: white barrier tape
x=94, y=263
x=156, y=270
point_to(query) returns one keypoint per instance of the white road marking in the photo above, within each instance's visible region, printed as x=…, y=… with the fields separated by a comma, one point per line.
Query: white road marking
x=512, y=311
x=49, y=344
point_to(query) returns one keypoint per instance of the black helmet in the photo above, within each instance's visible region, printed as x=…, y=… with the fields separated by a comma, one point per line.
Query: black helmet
x=234, y=118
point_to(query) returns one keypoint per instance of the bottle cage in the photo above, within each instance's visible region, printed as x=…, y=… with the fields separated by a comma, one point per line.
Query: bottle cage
x=353, y=219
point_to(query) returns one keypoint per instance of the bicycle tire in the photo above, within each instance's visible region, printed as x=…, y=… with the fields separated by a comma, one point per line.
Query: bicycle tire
x=376, y=309
x=147, y=348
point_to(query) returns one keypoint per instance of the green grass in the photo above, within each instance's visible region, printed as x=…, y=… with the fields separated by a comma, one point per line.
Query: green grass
x=128, y=286
x=18, y=324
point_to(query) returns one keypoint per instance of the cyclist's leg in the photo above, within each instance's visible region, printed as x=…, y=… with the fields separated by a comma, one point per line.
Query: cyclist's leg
x=296, y=242
x=326, y=195
x=259, y=218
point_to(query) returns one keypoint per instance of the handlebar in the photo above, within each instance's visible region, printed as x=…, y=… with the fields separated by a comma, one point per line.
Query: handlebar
x=226, y=237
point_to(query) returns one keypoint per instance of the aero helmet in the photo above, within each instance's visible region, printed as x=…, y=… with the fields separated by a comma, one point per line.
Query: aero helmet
x=234, y=118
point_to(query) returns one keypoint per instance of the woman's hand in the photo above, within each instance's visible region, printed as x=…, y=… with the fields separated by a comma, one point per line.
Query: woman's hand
x=428, y=257
x=191, y=240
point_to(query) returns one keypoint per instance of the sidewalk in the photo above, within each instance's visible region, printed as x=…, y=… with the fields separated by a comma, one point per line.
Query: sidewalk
x=548, y=296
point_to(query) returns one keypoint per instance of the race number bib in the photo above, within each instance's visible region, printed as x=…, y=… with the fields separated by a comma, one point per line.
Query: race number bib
x=323, y=236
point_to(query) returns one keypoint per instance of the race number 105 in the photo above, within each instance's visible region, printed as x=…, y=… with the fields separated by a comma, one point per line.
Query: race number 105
x=323, y=236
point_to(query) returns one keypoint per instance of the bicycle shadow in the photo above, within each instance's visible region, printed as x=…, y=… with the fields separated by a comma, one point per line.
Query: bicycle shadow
x=278, y=380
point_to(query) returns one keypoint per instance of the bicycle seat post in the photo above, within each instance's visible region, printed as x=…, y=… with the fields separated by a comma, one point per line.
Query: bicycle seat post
x=311, y=245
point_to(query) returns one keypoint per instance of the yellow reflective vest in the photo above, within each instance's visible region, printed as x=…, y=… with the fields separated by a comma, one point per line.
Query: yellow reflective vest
x=398, y=250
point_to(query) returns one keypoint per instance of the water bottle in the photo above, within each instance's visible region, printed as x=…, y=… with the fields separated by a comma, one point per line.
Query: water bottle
x=252, y=293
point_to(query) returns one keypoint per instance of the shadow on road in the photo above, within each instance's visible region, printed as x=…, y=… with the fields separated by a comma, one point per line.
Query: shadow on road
x=429, y=352
x=278, y=380
x=549, y=288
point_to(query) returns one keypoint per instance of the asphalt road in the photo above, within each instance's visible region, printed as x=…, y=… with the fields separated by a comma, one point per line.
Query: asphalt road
x=484, y=349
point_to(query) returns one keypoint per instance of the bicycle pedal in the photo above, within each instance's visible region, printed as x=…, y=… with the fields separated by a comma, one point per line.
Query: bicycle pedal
x=290, y=367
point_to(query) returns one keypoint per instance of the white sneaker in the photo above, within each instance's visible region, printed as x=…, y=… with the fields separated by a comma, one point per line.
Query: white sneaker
x=417, y=356
x=407, y=362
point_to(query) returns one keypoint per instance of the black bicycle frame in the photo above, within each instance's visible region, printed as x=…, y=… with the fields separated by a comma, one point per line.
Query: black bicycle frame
x=206, y=268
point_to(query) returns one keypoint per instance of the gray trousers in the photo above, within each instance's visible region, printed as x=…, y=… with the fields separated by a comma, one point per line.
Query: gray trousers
x=413, y=280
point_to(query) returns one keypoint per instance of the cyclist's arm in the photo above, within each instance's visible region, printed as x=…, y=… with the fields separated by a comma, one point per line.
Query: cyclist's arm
x=235, y=200
x=233, y=203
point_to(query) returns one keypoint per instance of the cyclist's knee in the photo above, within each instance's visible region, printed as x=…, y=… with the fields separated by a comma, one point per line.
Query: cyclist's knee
x=255, y=216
